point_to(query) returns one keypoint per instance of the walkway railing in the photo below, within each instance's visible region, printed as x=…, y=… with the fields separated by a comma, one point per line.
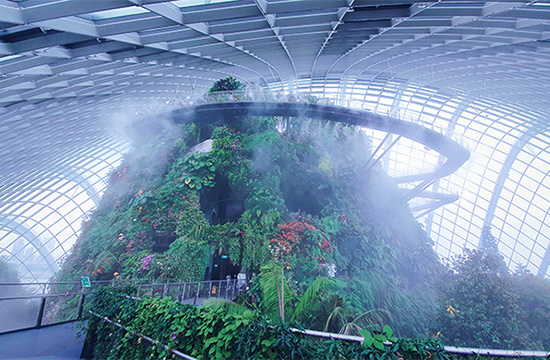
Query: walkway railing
x=179, y=100
x=25, y=306
x=195, y=292
x=448, y=349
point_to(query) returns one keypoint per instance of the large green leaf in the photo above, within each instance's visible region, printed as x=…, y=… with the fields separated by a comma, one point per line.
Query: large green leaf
x=368, y=340
x=388, y=331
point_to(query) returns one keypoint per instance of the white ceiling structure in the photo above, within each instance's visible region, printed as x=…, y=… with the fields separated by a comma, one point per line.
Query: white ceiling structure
x=71, y=71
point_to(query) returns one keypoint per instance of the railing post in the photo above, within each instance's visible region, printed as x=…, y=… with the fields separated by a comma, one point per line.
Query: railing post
x=227, y=289
x=183, y=293
x=210, y=292
x=235, y=283
x=196, y=296
x=40, y=313
x=164, y=291
x=81, y=305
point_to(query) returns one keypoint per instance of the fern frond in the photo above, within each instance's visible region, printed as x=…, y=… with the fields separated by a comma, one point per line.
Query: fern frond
x=350, y=329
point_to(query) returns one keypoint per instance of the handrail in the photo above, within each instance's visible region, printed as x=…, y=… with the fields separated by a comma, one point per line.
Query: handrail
x=448, y=349
x=43, y=296
x=154, y=342
x=192, y=291
x=78, y=282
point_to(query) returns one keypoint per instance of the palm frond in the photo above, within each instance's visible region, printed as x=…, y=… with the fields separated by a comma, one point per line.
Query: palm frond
x=335, y=314
x=372, y=317
x=311, y=295
x=271, y=281
x=350, y=329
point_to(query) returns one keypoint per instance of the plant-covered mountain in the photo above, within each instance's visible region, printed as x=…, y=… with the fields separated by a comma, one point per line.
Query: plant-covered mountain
x=204, y=201
x=296, y=199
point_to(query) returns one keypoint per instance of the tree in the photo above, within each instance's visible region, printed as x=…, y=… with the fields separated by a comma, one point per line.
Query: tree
x=534, y=306
x=7, y=274
x=479, y=304
x=227, y=84
x=487, y=242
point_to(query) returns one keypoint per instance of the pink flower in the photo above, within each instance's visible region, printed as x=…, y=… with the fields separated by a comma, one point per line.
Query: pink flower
x=174, y=336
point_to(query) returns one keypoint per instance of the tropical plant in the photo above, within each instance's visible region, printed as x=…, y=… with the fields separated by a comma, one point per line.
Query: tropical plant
x=478, y=304
x=351, y=323
x=226, y=332
x=227, y=84
x=533, y=295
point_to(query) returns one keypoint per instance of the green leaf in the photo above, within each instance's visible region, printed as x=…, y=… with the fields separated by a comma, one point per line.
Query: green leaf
x=388, y=331
x=268, y=342
x=368, y=340
x=378, y=345
x=380, y=337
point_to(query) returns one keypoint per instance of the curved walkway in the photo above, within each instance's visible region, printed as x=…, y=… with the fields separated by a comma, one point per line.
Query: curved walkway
x=228, y=107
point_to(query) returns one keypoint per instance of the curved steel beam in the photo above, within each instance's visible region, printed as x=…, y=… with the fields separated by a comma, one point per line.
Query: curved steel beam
x=83, y=182
x=26, y=233
x=503, y=176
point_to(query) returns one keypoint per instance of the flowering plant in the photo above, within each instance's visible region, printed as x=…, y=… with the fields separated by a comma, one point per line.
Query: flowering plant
x=145, y=261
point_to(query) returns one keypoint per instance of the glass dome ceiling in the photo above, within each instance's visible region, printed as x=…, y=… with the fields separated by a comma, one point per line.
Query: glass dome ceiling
x=72, y=71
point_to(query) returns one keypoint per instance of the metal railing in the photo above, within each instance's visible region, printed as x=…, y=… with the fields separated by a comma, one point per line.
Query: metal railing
x=448, y=349
x=175, y=352
x=194, y=292
x=179, y=100
x=25, y=306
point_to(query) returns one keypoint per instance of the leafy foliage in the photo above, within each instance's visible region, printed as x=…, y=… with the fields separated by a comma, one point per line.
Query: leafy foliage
x=216, y=332
x=7, y=274
x=534, y=308
x=226, y=84
x=478, y=304
x=483, y=305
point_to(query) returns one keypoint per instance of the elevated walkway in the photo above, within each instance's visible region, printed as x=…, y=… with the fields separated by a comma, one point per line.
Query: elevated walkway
x=55, y=342
x=414, y=181
x=41, y=320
